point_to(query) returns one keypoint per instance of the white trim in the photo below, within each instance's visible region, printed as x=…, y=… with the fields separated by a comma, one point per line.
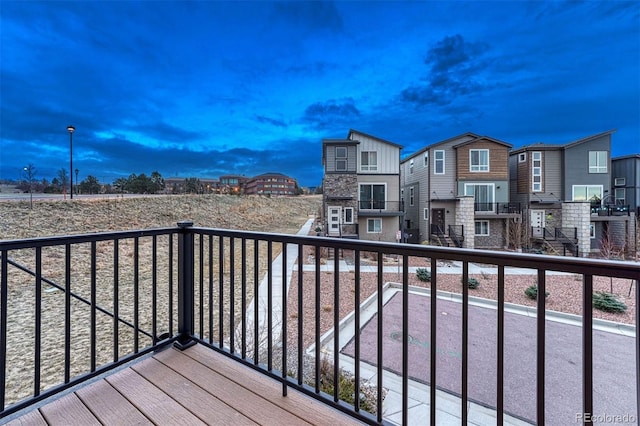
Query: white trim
x=480, y=167
x=597, y=167
x=522, y=157
x=374, y=220
x=344, y=215
x=619, y=181
x=482, y=234
x=574, y=187
x=536, y=171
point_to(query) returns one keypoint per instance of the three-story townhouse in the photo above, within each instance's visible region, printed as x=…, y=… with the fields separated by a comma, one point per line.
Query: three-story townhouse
x=361, y=187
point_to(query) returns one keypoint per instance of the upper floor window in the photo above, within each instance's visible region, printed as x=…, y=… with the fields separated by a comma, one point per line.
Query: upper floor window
x=479, y=160
x=425, y=159
x=368, y=161
x=536, y=171
x=438, y=162
x=341, y=158
x=597, y=161
x=619, y=182
x=411, y=196
x=411, y=166
x=522, y=157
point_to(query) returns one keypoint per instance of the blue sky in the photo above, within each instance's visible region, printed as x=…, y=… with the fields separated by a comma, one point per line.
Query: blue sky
x=209, y=88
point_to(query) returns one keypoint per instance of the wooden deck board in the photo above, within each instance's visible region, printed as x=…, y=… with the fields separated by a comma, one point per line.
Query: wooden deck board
x=193, y=397
x=227, y=390
x=150, y=400
x=295, y=402
x=68, y=410
x=109, y=406
x=197, y=386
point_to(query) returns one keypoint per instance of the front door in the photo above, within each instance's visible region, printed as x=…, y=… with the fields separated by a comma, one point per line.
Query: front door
x=334, y=214
x=537, y=223
x=437, y=221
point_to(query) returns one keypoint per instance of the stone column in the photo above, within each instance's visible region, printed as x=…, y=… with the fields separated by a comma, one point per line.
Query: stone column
x=578, y=215
x=465, y=216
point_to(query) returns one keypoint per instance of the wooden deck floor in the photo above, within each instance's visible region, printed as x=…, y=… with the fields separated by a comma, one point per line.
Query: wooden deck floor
x=197, y=386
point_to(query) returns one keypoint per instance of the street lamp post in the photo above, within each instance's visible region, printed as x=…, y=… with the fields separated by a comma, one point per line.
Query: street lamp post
x=28, y=173
x=77, y=171
x=71, y=129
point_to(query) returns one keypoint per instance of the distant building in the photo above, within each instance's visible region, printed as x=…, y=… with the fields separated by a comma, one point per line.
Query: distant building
x=232, y=184
x=271, y=184
x=625, y=173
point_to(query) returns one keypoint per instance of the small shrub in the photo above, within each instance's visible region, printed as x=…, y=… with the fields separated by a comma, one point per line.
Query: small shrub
x=423, y=274
x=532, y=292
x=608, y=302
x=473, y=283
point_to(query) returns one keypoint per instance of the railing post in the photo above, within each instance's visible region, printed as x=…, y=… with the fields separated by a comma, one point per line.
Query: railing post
x=186, y=266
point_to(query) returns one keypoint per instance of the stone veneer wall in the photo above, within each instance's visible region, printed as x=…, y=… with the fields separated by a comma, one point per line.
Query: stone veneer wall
x=578, y=215
x=340, y=185
x=465, y=216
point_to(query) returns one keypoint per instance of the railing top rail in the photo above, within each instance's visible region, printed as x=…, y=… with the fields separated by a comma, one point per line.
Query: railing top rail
x=83, y=238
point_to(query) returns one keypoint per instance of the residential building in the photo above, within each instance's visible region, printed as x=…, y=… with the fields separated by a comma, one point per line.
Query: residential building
x=552, y=180
x=625, y=174
x=361, y=187
x=456, y=192
x=271, y=184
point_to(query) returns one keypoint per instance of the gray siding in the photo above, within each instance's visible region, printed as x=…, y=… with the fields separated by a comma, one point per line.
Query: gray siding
x=576, y=165
x=629, y=169
x=352, y=158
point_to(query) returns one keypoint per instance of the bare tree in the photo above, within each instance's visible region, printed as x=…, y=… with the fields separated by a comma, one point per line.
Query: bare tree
x=28, y=175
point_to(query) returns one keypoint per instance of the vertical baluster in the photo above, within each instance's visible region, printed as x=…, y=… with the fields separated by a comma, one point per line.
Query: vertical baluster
x=232, y=284
x=154, y=288
x=136, y=294
x=256, y=301
x=3, y=327
x=201, y=284
x=300, y=312
x=317, y=319
x=269, y=305
x=211, y=289
x=93, y=306
x=67, y=313
x=405, y=340
x=356, y=326
x=38, y=324
x=284, y=319
x=434, y=339
x=465, y=340
x=540, y=357
x=220, y=291
x=379, y=343
x=500, y=349
x=587, y=346
x=243, y=295
x=336, y=323
x=116, y=304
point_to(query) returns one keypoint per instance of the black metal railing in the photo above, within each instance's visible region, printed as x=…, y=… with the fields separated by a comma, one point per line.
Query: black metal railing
x=381, y=205
x=117, y=296
x=611, y=210
x=497, y=208
x=456, y=233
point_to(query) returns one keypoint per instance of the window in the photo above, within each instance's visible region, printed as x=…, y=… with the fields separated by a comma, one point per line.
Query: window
x=411, y=196
x=368, y=161
x=438, y=162
x=619, y=182
x=587, y=192
x=597, y=161
x=372, y=196
x=425, y=214
x=341, y=158
x=621, y=195
x=411, y=166
x=522, y=157
x=482, y=227
x=348, y=215
x=536, y=171
x=483, y=194
x=374, y=226
x=425, y=159
x=592, y=230
x=479, y=160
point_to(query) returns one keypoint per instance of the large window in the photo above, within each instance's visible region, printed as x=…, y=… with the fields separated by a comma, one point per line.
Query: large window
x=483, y=195
x=536, y=171
x=374, y=226
x=621, y=195
x=438, y=162
x=368, y=161
x=479, y=160
x=482, y=227
x=372, y=196
x=597, y=161
x=587, y=192
x=341, y=158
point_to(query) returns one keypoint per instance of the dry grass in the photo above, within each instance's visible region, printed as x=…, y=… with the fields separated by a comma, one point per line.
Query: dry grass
x=146, y=278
